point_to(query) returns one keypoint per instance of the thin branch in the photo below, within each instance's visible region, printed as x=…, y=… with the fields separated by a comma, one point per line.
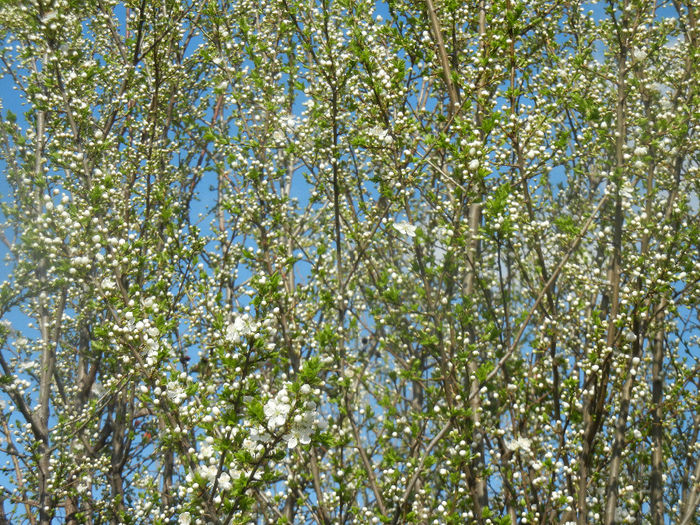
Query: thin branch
x=543, y=293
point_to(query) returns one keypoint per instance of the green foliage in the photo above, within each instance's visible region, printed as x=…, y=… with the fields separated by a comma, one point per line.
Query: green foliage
x=261, y=247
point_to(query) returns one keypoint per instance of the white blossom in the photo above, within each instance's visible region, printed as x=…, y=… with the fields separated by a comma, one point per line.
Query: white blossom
x=208, y=472
x=277, y=409
x=381, y=134
x=302, y=427
x=241, y=327
x=175, y=392
x=224, y=481
x=519, y=443
x=405, y=228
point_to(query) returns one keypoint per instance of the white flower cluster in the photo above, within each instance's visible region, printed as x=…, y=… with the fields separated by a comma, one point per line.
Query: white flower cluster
x=176, y=393
x=381, y=134
x=211, y=471
x=108, y=283
x=406, y=228
x=278, y=409
x=150, y=340
x=519, y=443
x=303, y=426
x=239, y=328
x=288, y=123
x=148, y=332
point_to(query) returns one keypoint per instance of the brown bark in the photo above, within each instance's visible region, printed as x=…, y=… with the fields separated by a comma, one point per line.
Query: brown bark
x=614, y=277
x=444, y=59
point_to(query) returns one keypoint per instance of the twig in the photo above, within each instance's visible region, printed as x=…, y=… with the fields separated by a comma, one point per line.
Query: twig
x=543, y=292
x=414, y=478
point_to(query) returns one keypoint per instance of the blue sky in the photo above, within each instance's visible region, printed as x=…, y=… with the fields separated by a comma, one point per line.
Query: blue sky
x=12, y=101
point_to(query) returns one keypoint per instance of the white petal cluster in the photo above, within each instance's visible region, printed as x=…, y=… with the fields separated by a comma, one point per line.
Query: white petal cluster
x=381, y=134
x=289, y=122
x=303, y=426
x=519, y=443
x=406, y=228
x=277, y=409
x=176, y=393
x=240, y=327
x=208, y=472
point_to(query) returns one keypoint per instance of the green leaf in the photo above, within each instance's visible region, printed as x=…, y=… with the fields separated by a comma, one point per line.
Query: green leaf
x=566, y=224
x=310, y=373
x=256, y=411
x=484, y=370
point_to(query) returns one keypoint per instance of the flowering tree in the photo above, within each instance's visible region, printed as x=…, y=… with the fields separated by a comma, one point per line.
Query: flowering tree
x=345, y=262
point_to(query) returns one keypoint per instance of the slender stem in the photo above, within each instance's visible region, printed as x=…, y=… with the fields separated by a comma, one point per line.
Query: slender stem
x=444, y=60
